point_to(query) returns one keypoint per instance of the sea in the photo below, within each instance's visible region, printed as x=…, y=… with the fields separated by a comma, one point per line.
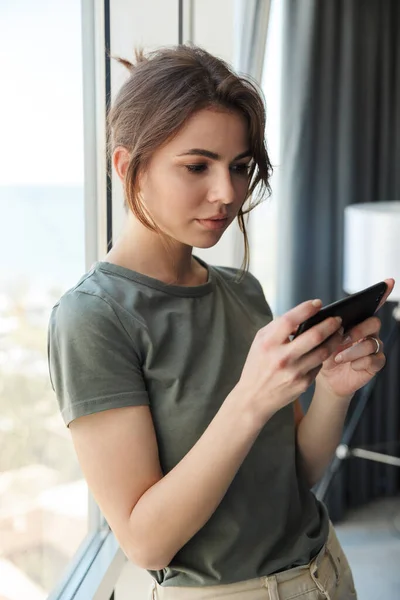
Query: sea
x=42, y=236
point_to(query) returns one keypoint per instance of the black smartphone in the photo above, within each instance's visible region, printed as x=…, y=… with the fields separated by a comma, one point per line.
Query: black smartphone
x=353, y=310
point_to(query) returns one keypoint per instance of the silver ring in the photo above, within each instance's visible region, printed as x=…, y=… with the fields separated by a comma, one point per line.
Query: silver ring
x=378, y=345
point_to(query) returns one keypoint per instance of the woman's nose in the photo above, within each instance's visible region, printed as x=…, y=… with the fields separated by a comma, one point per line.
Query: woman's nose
x=222, y=189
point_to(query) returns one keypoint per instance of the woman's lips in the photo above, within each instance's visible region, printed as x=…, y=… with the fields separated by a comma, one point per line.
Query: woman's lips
x=214, y=223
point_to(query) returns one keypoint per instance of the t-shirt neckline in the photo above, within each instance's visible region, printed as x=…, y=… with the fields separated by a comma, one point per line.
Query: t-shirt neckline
x=188, y=291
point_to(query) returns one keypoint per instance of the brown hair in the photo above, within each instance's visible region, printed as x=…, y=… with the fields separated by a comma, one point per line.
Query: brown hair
x=165, y=88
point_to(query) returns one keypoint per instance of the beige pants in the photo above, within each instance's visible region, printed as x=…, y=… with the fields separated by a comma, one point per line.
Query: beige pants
x=326, y=577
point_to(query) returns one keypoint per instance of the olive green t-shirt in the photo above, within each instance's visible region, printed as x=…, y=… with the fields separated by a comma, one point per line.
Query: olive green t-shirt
x=120, y=338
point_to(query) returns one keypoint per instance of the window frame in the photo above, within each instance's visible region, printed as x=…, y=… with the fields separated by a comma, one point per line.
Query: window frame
x=94, y=570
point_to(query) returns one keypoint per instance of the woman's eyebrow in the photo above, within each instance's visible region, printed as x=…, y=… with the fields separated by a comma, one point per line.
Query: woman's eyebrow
x=213, y=155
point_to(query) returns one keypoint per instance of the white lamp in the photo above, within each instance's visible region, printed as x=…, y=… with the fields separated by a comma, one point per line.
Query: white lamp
x=372, y=247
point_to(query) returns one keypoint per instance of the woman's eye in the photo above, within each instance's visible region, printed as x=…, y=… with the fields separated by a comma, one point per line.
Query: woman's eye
x=199, y=168
x=241, y=169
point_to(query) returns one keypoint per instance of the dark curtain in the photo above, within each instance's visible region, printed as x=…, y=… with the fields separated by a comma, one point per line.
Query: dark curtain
x=340, y=145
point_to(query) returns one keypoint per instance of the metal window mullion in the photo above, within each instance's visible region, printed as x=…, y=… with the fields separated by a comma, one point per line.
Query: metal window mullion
x=99, y=149
x=107, y=102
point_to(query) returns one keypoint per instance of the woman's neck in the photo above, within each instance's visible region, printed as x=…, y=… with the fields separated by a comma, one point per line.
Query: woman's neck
x=143, y=251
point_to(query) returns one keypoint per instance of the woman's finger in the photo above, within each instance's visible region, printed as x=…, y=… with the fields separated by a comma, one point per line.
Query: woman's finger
x=364, y=348
x=390, y=285
x=317, y=356
x=314, y=337
x=370, y=326
x=372, y=363
x=282, y=327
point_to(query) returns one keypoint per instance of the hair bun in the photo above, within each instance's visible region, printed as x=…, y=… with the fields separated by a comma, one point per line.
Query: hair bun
x=125, y=63
x=139, y=58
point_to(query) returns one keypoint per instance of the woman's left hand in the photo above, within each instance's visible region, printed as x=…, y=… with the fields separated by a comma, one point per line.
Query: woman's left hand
x=354, y=362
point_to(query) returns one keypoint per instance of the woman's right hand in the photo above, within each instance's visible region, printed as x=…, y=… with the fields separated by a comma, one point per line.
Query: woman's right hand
x=277, y=370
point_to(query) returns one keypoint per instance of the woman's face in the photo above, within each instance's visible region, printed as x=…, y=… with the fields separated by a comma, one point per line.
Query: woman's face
x=195, y=184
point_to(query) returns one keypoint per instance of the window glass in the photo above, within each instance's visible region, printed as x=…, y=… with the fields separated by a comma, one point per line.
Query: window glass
x=43, y=497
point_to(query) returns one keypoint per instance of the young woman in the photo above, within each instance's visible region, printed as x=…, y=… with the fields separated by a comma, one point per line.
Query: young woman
x=179, y=389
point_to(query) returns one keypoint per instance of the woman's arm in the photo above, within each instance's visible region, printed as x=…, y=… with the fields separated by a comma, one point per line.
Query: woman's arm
x=154, y=516
x=319, y=432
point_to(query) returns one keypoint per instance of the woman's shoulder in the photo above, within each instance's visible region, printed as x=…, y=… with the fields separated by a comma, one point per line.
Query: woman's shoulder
x=85, y=305
x=85, y=295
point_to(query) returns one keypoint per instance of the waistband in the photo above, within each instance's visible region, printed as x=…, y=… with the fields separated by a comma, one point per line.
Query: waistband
x=322, y=571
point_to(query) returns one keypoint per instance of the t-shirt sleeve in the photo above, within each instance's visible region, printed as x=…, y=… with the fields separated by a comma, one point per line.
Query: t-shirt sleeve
x=92, y=360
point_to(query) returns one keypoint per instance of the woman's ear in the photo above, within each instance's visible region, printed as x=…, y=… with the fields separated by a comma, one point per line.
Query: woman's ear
x=121, y=158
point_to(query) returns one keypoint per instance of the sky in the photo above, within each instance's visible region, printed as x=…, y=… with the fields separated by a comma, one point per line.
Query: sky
x=41, y=114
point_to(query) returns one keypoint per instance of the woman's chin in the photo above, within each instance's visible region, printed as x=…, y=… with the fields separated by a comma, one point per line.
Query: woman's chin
x=208, y=237
x=207, y=241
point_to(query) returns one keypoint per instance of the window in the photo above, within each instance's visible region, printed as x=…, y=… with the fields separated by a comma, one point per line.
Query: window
x=43, y=497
